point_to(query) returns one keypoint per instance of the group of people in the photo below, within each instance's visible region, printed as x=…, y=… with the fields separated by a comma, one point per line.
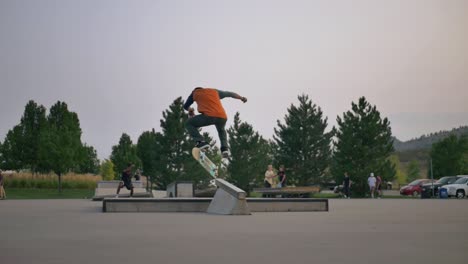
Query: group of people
x=275, y=179
x=374, y=183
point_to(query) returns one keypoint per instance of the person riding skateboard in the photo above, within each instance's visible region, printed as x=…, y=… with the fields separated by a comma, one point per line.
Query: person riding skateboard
x=211, y=113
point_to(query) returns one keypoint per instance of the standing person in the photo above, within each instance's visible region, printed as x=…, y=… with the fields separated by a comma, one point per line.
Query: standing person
x=269, y=181
x=378, y=186
x=126, y=180
x=346, y=185
x=211, y=113
x=281, y=177
x=2, y=190
x=270, y=176
x=371, y=181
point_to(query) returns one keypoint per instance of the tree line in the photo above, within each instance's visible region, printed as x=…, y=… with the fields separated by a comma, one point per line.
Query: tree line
x=44, y=143
x=312, y=153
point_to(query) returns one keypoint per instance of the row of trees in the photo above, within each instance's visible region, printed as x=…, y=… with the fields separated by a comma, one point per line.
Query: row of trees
x=362, y=143
x=312, y=154
x=45, y=143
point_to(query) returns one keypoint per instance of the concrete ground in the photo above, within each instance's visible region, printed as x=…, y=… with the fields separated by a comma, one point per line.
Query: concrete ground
x=353, y=231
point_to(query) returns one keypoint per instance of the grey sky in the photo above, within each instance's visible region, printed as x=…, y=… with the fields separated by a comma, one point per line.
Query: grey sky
x=119, y=64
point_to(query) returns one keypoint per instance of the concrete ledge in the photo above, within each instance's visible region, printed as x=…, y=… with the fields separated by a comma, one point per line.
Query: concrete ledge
x=123, y=195
x=115, y=184
x=155, y=205
x=201, y=205
x=287, y=205
x=231, y=189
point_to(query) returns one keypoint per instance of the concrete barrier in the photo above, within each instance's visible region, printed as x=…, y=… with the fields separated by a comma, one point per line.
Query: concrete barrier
x=228, y=200
x=200, y=205
x=109, y=189
x=129, y=205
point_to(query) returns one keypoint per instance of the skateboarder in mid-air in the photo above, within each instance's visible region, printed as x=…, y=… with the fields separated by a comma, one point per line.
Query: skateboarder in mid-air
x=211, y=113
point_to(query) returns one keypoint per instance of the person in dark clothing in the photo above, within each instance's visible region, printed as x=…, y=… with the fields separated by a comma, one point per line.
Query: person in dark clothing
x=346, y=185
x=281, y=177
x=126, y=180
x=211, y=113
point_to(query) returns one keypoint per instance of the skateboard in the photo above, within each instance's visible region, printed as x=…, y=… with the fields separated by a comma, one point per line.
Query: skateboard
x=207, y=164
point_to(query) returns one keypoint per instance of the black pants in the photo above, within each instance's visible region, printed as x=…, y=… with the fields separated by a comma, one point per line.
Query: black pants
x=346, y=191
x=202, y=120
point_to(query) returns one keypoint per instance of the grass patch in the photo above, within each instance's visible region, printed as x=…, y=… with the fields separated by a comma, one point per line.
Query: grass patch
x=20, y=193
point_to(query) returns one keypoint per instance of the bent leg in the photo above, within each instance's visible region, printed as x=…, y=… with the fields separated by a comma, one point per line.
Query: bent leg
x=192, y=125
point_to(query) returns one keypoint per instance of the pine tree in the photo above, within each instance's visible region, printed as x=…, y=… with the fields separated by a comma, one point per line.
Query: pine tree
x=250, y=155
x=177, y=147
x=303, y=146
x=123, y=154
x=363, y=145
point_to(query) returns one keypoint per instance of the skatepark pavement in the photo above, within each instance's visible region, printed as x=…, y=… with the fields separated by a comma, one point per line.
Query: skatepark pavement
x=353, y=231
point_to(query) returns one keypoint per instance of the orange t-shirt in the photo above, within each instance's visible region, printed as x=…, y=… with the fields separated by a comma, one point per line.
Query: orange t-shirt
x=209, y=103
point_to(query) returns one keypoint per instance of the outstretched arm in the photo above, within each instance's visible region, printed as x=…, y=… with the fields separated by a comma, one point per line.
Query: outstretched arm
x=188, y=102
x=224, y=94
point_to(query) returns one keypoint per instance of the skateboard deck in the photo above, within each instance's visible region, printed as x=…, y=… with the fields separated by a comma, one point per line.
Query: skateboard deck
x=207, y=164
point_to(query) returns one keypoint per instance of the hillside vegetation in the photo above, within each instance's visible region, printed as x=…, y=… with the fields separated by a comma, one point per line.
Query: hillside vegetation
x=426, y=141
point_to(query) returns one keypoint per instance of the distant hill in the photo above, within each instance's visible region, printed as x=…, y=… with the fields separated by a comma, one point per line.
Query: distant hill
x=425, y=141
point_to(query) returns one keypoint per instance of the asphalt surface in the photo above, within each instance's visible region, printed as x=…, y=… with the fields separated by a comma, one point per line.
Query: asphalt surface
x=353, y=231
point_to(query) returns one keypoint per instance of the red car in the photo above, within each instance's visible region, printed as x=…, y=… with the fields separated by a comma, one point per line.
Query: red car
x=414, y=188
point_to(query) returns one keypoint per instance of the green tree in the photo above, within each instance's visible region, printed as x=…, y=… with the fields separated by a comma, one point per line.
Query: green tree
x=414, y=171
x=303, y=146
x=60, y=141
x=250, y=155
x=123, y=154
x=22, y=142
x=89, y=162
x=449, y=156
x=32, y=123
x=12, y=151
x=176, y=149
x=400, y=175
x=363, y=145
x=107, y=170
x=150, y=150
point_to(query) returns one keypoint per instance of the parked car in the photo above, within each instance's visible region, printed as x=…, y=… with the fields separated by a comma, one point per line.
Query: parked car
x=427, y=187
x=414, y=187
x=459, y=188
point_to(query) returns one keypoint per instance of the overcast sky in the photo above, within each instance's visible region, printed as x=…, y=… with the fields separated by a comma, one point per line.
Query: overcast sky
x=119, y=64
